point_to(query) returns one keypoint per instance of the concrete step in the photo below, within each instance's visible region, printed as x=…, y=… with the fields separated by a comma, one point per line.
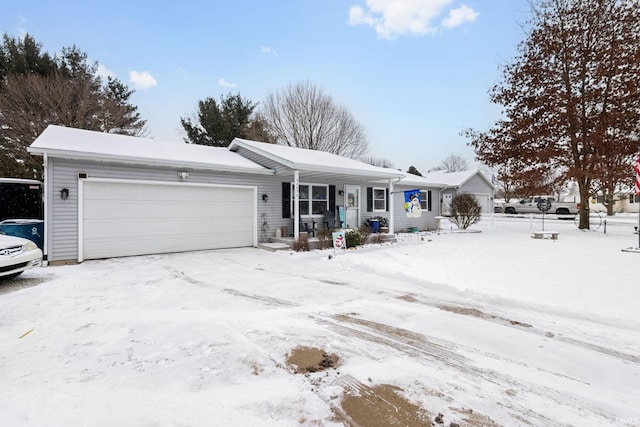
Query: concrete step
x=272, y=247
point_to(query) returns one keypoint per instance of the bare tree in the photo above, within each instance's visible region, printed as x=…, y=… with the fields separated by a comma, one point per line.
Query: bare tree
x=377, y=161
x=570, y=99
x=304, y=116
x=454, y=163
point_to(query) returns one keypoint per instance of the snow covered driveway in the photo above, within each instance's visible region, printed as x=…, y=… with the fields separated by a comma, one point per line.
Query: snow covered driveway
x=490, y=328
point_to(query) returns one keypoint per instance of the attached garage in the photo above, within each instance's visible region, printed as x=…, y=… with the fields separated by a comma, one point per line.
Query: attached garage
x=124, y=218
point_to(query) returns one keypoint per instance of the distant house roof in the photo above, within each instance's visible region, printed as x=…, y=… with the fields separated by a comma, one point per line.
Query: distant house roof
x=314, y=161
x=74, y=143
x=454, y=179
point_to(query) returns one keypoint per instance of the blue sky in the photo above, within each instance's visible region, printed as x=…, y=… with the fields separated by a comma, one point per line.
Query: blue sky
x=413, y=72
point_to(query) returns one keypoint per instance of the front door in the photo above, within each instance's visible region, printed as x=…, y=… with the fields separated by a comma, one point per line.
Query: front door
x=446, y=203
x=352, y=205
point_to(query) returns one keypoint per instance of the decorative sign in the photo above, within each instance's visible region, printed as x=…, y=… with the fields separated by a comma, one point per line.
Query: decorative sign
x=339, y=240
x=412, y=204
x=544, y=204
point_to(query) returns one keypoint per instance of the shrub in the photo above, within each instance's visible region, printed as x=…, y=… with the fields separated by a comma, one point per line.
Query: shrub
x=365, y=232
x=325, y=238
x=465, y=210
x=300, y=245
x=378, y=238
x=353, y=238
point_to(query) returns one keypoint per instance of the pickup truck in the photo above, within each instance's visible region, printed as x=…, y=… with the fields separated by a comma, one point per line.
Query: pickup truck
x=530, y=205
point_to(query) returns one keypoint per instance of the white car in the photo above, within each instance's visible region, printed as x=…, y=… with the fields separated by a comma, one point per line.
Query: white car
x=17, y=255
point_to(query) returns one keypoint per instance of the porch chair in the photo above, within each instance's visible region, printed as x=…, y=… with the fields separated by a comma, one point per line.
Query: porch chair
x=305, y=227
x=329, y=220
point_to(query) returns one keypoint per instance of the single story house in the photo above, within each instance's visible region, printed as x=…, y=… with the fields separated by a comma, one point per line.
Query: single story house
x=471, y=181
x=110, y=195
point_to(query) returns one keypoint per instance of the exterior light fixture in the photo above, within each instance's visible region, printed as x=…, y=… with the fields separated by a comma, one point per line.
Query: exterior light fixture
x=265, y=198
x=64, y=193
x=183, y=175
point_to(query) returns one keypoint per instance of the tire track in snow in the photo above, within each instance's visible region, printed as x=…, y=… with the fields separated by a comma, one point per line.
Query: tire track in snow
x=417, y=346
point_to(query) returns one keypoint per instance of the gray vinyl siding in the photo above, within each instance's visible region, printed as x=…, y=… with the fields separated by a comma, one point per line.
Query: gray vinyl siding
x=476, y=185
x=63, y=173
x=426, y=222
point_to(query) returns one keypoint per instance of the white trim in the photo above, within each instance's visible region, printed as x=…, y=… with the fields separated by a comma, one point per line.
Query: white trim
x=45, y=201
x=310, y=199
x=373, y=199
x=81, y=182
x=296, y=205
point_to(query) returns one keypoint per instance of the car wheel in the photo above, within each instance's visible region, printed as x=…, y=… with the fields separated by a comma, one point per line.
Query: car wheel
x=510, y=211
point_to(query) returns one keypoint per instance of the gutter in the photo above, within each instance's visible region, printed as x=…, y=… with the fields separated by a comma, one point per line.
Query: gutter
x=76, y=155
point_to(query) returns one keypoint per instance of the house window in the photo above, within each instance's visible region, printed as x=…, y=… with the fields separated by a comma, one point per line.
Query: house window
x=379, y=199
x=425, y=200
x=314, y=199
x=634, y=198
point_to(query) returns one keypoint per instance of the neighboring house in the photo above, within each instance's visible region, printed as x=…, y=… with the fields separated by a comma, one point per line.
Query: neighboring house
x=111, y=195
x=469, y=181
x=624, y=203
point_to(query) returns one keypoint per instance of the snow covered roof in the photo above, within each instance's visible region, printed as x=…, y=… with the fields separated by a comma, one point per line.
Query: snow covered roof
x=60, y=141
x=453, y=179
x=313, y=160
x=412, y=180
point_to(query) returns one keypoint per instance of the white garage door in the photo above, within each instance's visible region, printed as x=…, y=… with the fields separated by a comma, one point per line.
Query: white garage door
x=132, y=218
x=483, y=200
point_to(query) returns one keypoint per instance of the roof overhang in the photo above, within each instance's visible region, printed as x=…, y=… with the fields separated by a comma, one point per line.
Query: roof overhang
x=79, y=144
x=349, y=168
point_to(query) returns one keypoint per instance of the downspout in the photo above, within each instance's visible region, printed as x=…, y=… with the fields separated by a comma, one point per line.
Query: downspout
x=391, y=205
x=45, y=213
x=296, y=205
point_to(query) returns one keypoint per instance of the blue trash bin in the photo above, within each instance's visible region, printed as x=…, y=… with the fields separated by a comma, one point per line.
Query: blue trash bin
x=32, y=229
x=375, y=225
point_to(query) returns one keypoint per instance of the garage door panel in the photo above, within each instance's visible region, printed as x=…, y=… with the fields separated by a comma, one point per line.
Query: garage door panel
x=121, y=219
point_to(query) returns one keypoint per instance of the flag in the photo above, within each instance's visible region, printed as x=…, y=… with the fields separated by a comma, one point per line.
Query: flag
x=412, y=203
x=636, y=167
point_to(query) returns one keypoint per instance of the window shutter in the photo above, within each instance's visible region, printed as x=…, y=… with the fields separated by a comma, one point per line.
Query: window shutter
x=369, y=199
x=332, y=198
x=286, y=200
x=387, y=199
x=429, y=200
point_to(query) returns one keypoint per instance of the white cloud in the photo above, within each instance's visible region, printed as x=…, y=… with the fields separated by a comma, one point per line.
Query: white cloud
x=268, y=51
x=223, y=82
x=103, y=71
x=142, y=80
x=459, y=16
x=391, y=18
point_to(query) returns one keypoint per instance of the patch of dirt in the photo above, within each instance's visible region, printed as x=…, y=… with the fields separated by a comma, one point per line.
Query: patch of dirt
x=474, y=419
x=382, y=406
x=408, y=298
x=480, y=314
x=309, y=359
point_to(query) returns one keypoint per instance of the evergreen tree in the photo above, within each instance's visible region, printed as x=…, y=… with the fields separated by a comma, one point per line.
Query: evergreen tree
x=36, y=91
x=217, y=123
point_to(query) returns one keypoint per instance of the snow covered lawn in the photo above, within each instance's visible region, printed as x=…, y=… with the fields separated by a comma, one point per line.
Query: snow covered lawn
x=488, y=328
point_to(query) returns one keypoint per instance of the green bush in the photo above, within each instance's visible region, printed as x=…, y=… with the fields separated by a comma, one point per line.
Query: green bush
x=353, y=238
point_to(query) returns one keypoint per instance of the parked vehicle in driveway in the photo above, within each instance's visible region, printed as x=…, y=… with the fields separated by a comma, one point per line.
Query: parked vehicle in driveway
x=531, y=205
x=17, y=255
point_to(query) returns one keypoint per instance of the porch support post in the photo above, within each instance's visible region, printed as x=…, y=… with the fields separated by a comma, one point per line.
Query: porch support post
x=391, y=205
x=296, y=205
